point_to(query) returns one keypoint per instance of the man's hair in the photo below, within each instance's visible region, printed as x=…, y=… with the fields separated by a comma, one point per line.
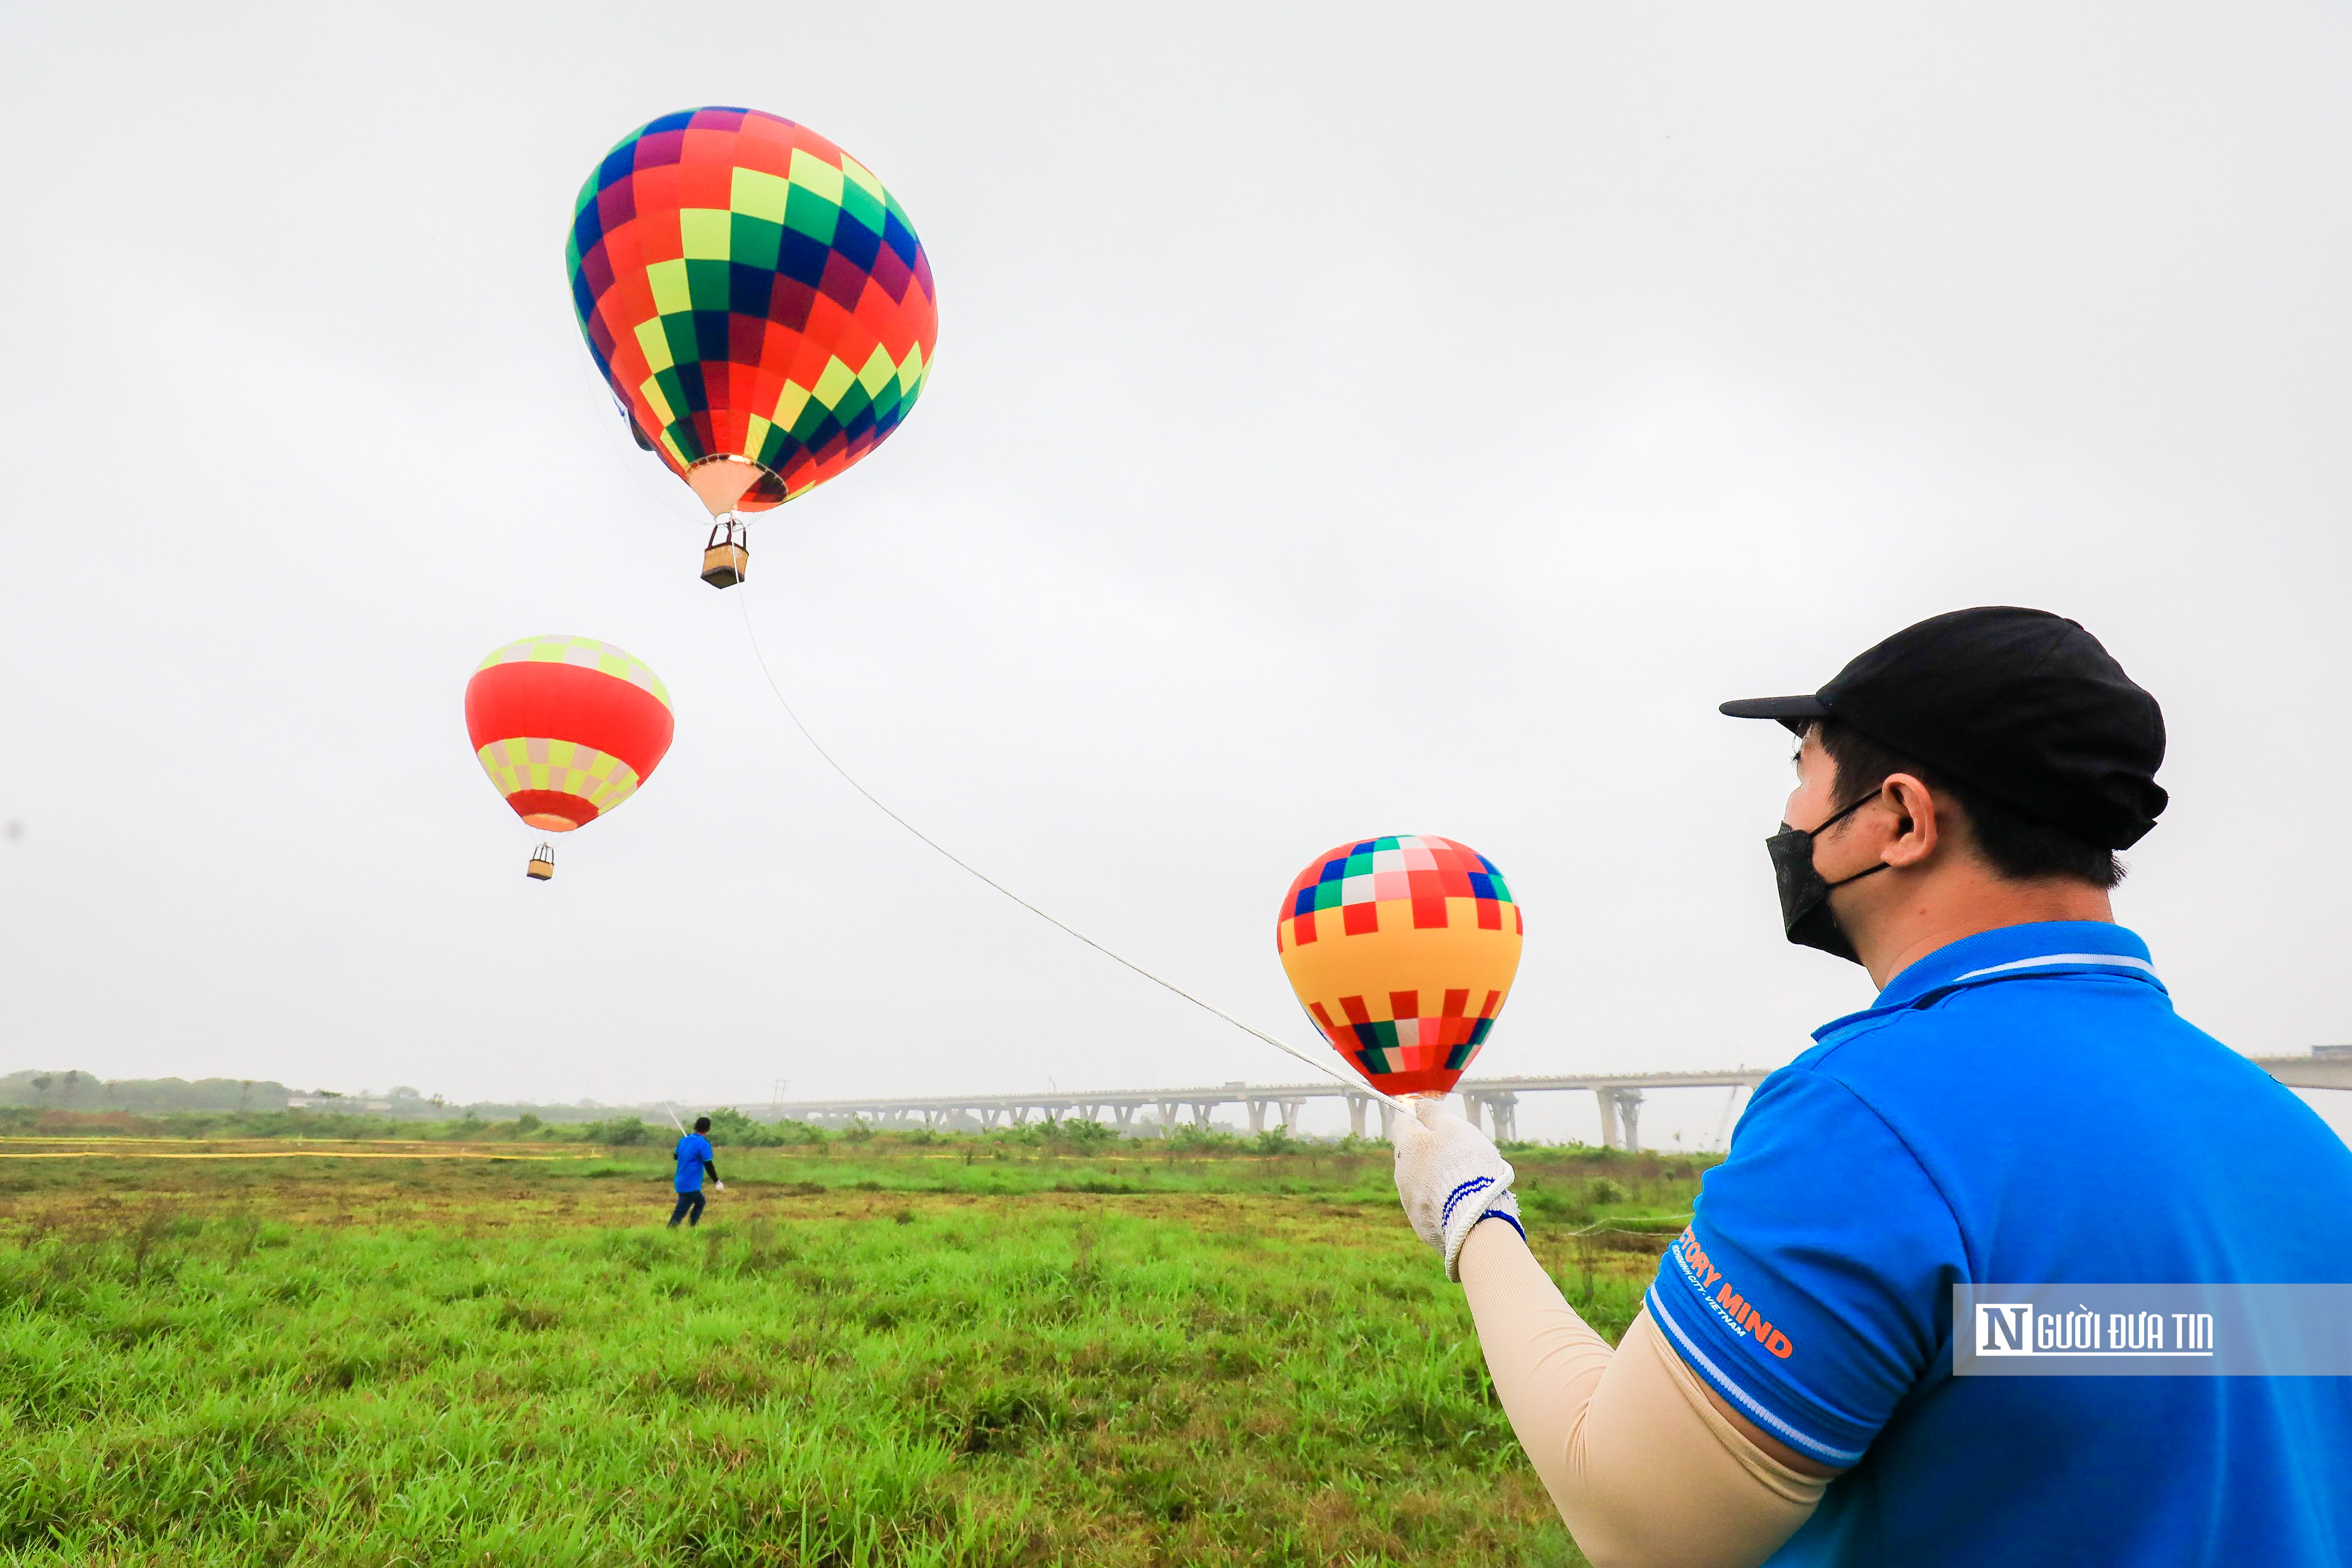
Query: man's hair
x=702, y=1124
x=2015, y=846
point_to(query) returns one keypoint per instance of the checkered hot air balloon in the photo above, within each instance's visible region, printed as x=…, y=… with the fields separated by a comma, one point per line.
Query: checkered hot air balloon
x=567, y=728
x=758, y=303
x=1402, y=951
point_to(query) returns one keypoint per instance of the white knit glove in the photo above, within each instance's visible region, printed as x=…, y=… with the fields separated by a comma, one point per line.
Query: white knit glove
x=1450, y=1177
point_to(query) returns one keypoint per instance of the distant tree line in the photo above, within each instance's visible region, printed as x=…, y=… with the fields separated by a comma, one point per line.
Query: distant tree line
x=49, y=1090
x=77, y=1091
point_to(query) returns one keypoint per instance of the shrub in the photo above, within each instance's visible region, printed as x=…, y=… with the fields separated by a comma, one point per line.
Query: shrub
x=1085, y=1134
x=619, y=1130
x=731, y=1127
x=1274, y=1140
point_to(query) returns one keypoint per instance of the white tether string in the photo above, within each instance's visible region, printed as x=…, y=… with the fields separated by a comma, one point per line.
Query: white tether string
x=1319, y=1065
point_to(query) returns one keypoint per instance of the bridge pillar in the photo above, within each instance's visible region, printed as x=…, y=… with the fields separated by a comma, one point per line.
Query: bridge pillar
x=988, y=1115
x=1388, y=1119
x=1167, y=1117
x=1257, y=1115
x=1621, y=1118
x=1290, y=1114
x=1126, y=1115
x=1503, y=1110
x=1473, y=1110
x=1356, y=1103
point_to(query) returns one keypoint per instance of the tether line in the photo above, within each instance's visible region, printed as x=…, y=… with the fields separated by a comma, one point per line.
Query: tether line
x=817, y=746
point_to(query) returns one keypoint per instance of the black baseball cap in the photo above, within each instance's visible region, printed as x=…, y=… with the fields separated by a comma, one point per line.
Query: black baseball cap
x=2021, y=705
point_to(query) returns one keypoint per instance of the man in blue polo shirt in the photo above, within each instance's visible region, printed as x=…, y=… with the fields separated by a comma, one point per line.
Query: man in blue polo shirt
x=695, y=1156
x=2019, y=1105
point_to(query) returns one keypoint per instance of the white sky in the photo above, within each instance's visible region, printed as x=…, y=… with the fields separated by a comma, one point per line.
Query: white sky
x=1345, y=422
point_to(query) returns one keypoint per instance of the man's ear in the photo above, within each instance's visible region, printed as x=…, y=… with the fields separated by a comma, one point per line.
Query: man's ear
x=1918, y=828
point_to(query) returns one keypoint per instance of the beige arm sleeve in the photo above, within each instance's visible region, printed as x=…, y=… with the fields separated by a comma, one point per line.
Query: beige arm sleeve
x=1642, y=1466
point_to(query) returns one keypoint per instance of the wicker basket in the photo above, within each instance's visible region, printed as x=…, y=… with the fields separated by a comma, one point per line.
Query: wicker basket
x=727, y=555
x=723, y=565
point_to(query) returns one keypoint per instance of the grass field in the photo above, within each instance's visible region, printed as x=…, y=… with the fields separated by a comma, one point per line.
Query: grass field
x=954, y=1351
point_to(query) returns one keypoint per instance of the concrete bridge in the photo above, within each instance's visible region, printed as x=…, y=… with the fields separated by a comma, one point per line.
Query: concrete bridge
x=2327, y=1067
x=1489, y=1101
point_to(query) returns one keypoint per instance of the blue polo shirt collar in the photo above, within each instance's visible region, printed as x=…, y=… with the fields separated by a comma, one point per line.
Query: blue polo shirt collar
x=2042, y=950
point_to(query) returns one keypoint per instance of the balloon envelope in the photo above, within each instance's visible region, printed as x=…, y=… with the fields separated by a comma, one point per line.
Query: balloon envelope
x=566, y=727
x=1402, y=950
x=756, y=298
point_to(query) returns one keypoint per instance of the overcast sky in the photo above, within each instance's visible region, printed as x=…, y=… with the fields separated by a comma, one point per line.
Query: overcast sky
x=1345, y=422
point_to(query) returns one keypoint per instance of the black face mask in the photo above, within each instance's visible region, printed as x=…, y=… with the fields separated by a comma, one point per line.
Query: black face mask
x=1804, y=896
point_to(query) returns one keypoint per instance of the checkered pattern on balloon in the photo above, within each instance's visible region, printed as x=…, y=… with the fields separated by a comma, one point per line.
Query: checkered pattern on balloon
x=752, y=291
x=566, y=727
x=1402, y=950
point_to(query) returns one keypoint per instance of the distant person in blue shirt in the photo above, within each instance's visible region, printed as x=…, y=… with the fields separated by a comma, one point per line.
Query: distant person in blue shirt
x=694, y=1156
x=2019, y=1105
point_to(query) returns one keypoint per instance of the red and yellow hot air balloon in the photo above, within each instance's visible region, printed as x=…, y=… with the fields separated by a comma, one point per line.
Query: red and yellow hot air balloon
x=1402, y=950
x=758, y=303
x=567, y=728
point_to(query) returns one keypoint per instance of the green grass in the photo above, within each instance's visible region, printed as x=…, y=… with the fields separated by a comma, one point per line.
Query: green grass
x=880, y=1354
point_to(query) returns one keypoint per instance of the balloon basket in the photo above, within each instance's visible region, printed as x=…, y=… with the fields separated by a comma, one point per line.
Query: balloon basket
x=727, y=558
x=543, y=864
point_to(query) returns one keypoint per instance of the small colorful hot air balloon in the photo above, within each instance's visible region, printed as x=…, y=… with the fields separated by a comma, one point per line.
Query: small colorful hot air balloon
x=757, y=301
x=1402, y=950
x=567, y=728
